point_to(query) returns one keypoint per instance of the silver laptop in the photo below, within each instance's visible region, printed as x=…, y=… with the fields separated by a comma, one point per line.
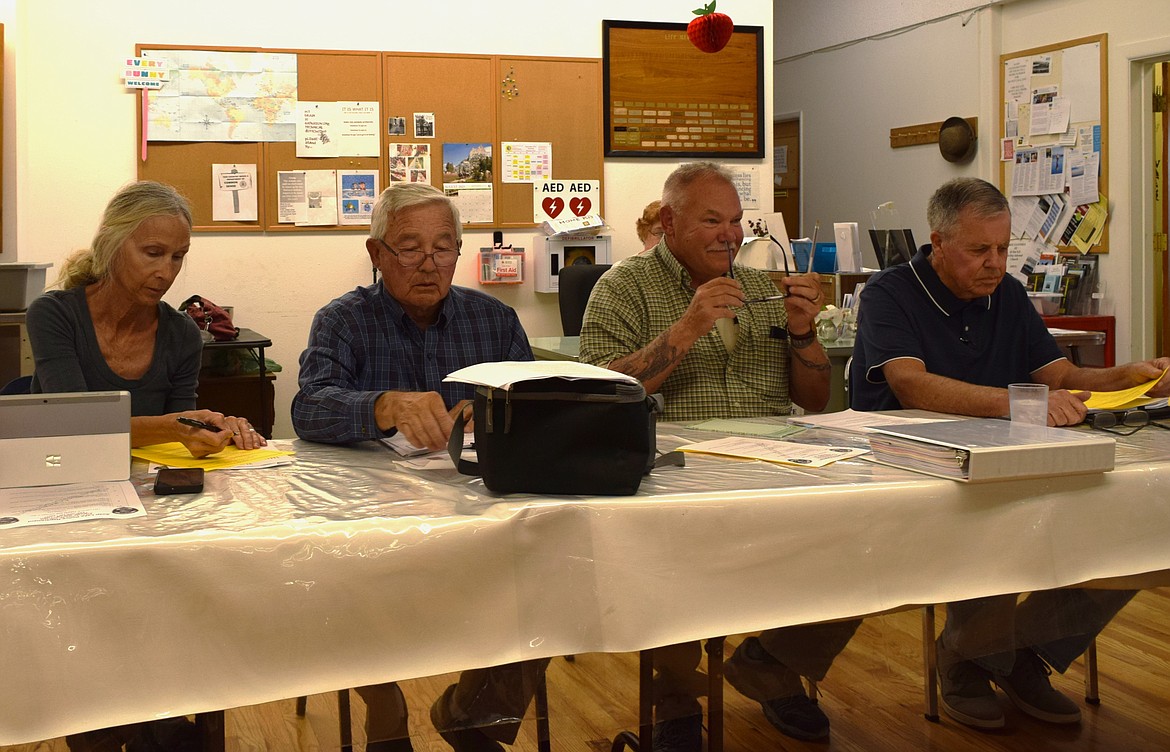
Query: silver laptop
x=76, y=437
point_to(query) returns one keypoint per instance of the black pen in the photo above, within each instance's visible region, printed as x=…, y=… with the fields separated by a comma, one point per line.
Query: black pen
x=199, y=424
x=730, y=260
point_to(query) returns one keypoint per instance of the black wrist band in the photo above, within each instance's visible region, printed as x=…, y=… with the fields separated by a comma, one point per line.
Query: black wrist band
x=802, y=341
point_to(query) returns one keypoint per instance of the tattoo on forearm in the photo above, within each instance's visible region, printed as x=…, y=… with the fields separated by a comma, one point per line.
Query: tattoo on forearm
x=656, y=358
x=810, y=363
x=659, y=357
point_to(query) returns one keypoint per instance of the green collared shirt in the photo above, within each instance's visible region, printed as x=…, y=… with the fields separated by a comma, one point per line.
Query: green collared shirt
x=644, y=295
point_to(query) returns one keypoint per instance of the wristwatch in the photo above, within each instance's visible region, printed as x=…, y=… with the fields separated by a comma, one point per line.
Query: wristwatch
x=802, y=341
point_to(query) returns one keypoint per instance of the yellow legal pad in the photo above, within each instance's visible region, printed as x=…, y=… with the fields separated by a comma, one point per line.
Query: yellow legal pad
x=175, y=454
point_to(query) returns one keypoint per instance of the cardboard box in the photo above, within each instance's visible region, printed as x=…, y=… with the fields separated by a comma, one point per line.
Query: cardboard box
x=20, y=284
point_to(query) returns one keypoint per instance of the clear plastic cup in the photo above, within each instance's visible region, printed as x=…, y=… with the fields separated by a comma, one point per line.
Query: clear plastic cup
x=1029, y=403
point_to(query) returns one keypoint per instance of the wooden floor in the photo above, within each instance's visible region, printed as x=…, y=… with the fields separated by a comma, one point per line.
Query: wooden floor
x=873, y=696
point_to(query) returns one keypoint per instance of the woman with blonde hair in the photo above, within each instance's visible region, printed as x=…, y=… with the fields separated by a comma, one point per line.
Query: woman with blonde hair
x=108, y=329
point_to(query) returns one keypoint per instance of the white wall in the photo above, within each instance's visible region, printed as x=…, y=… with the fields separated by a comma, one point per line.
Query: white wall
x=1127, y=272
x=850, y=97
x=69, y=135
x=805, y=26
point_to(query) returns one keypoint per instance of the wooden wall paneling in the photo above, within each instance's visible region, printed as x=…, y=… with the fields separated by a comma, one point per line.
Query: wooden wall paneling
x=559, y=101
x=187, y=166
x=460, y=90
x=326, y=77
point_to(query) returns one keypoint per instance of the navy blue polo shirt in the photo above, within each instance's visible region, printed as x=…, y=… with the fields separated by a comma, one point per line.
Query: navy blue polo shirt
x=907, y=312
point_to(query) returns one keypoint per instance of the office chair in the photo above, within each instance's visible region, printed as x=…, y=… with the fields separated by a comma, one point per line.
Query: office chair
x=575, y=285
x=19, y=385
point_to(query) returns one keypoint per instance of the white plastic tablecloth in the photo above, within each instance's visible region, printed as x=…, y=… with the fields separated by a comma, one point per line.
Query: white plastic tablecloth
x=344, y=570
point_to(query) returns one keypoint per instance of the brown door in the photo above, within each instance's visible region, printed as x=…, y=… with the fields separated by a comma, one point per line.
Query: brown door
x=1161, y=211
x=786, y=175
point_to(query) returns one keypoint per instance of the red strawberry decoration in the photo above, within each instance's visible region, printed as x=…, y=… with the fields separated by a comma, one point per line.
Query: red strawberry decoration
x=711, y=31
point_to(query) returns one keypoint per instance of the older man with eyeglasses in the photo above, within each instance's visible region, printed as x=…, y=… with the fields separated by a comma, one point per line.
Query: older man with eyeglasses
x=374, y=366
x=377, y=356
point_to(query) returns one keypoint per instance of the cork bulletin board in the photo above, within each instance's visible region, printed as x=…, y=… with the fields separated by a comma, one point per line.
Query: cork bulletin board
x=665, y=98
x=474, y=98
x=1077, y=70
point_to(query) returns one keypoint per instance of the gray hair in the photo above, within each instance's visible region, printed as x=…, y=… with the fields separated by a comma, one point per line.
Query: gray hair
x=130, y=207
x=983, y=198
x=674, y=190
x=401, y=196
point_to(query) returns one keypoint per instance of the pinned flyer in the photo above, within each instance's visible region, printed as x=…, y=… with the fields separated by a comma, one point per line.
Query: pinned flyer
x=234, y=196
x=146, y=72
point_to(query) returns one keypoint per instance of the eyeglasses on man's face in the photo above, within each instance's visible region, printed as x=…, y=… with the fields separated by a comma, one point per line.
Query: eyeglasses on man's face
x=1130, y=422
x=411, y=258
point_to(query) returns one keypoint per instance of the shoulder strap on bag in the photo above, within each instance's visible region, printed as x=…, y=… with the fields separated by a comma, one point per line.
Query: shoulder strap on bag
x=455, y=447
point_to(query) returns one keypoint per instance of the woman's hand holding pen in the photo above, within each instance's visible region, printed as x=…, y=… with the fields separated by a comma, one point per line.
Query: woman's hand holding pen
x=206, y=432
x=203, y=432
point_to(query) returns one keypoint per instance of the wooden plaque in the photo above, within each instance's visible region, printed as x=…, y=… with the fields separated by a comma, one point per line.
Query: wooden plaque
x=665, y=98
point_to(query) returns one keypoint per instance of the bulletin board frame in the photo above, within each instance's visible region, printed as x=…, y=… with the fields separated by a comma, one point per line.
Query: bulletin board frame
x=694, y=96
x=1098, y=87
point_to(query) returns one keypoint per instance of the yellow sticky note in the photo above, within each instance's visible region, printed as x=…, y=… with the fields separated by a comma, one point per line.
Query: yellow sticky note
x=175, y=454
x=1121, y=398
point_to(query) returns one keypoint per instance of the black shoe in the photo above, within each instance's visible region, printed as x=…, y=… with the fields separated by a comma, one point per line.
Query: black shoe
x=470, y=740
x=798, y=717
x=166, y=735
x=752, y=672
x=390, y=745
x=683, y=734
x=461, y=739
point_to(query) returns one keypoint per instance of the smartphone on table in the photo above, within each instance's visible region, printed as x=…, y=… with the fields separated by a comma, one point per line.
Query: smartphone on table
x=178, y=480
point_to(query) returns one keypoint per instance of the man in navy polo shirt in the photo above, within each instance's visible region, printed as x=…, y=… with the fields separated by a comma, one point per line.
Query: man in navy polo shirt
x=948, y=332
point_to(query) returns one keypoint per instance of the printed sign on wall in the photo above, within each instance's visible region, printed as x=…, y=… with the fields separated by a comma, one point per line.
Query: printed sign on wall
x=562, y=199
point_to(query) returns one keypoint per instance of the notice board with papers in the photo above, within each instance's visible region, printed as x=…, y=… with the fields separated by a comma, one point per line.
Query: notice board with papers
x=1054, y=141
x=461, y=99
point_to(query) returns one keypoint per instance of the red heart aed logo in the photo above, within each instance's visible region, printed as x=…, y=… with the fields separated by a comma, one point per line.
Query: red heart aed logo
x=553, y=206
x=580, y=206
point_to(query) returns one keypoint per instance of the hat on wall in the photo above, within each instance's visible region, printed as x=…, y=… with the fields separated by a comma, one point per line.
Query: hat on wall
x=956, y=140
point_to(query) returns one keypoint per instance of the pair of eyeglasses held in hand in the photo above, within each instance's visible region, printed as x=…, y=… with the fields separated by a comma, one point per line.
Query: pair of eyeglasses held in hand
x=787, y=271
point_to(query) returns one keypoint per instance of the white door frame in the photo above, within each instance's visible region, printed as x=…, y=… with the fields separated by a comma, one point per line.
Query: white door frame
x=1136, y=179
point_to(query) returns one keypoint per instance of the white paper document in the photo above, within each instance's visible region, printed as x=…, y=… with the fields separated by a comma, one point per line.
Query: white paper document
x=400, y=444
x=233, y=193
x=769, y=450
x=48, y=505
x=337, y=129
x=502, y=375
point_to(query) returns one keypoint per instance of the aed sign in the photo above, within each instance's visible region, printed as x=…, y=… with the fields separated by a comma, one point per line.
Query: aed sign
x=563, y=199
